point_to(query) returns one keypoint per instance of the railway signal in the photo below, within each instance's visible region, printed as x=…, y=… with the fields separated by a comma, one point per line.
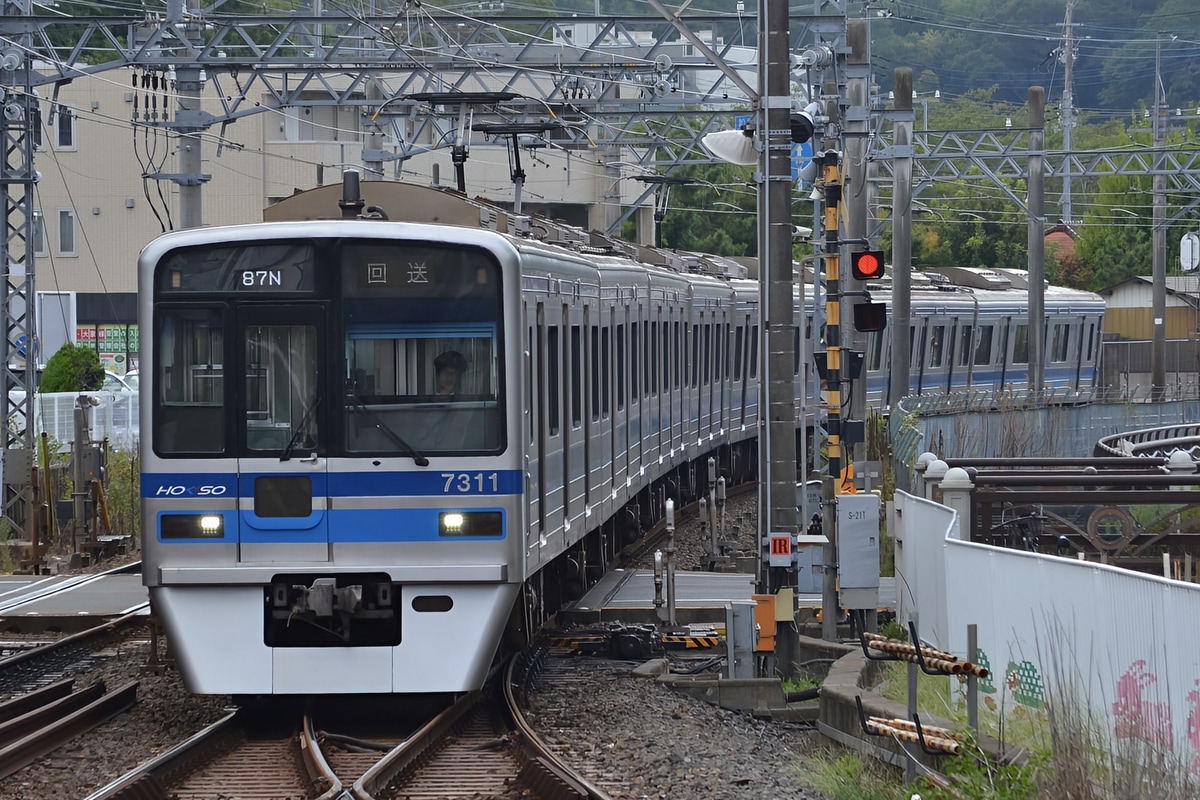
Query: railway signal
x=867, y=265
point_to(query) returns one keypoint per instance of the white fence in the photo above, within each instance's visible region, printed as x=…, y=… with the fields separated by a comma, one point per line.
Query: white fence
x=114, y=416
x=1123, y=642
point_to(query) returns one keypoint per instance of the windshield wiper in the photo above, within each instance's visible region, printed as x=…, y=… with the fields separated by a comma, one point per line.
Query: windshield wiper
x=381, y=426
x=286, y=455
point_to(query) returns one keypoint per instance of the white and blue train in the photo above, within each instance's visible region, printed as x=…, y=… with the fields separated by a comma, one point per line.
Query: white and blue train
x=327, y=511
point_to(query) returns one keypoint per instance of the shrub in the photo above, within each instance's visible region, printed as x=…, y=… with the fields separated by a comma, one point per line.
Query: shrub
x=74, y=368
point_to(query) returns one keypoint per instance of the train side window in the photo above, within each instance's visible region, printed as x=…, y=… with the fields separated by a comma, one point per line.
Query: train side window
x=1021, y=345
x=679, y=355
x=716, y=353
x=620, y=368
x=964, y=347
x=719, y=353
x=553, y=378
x=1060, y=346
x=753, y=351
x=983, y=345
x=1091, y=342
x=647, y=352
x=190, y=382
x=652, y=362
x=633, y=362
x=695, y=355
x=874, y=351
x=739, y=336
x=797, y=350
x=605, y=369
x=666, y=356
x=937, y=343
x=576, y=376
x=594, y=352
x=707, y=354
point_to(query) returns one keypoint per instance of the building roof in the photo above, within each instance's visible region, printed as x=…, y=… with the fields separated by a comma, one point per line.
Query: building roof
x=1060, y=240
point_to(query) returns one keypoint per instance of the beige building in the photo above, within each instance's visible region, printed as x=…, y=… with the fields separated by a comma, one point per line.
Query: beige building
x=1128, y=307
x=1129, y=334
x=97, y=203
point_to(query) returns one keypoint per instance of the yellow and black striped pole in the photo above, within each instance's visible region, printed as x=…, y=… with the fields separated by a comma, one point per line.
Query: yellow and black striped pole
x=833, y=318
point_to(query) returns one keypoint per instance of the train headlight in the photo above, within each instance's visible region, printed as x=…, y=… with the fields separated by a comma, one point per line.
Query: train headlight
x=191, y=526
x=470, y=523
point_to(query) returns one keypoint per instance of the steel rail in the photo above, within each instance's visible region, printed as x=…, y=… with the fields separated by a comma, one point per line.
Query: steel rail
x=150, y=778
x=104, y=629
x=545, y=772
x=27, y=749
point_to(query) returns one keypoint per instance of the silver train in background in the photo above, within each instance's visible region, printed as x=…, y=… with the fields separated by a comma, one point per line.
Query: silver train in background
x=327, y=509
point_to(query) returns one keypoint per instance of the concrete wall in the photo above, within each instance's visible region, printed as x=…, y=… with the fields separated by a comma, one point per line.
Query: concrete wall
x=1122, y=642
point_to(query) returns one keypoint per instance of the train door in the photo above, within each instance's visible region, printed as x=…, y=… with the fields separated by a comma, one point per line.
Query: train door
x=283, y=433
x=620, y=424
x=574, y=433
x=676, y=393
x=917, y=354
x=536, y=464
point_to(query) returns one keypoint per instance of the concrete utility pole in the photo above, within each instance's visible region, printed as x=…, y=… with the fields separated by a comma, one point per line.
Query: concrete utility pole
x=902, y=197
x=189, y=125
x=1068, y=113
x=855, y=196
x=1037, y=238
x=1158, y=238
x=775, y=286
x=775, y=220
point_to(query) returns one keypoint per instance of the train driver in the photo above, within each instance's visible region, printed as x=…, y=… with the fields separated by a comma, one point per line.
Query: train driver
x=448, y=368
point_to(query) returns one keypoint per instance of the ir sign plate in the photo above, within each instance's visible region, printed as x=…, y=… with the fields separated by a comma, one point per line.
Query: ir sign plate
x=781, y=550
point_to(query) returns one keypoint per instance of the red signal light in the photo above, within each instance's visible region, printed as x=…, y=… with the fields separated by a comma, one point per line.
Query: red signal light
x=867, y=265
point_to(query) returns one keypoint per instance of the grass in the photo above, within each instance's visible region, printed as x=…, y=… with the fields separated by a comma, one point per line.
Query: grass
x=1071, y=754
x=843, y=775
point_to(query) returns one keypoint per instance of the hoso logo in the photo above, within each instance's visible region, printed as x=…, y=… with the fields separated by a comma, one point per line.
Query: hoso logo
x=191, y=491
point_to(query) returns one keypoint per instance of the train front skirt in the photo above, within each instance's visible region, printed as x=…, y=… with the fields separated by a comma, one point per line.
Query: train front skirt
x=444, y=647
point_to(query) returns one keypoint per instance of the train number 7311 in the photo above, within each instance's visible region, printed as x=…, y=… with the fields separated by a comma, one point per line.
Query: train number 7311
x=470, y=482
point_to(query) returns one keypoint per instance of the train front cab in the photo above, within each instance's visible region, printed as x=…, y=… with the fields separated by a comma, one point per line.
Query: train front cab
x=306, y=533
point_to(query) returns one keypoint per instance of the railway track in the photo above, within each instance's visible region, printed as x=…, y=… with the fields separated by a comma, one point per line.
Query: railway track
x=41, y=721
x=480, y=747
x=640, y=550
x=49, y=661
x=546, y=669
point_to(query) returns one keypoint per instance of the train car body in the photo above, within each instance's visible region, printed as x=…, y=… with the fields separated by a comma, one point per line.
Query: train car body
x=970, y=331
x=320, y=519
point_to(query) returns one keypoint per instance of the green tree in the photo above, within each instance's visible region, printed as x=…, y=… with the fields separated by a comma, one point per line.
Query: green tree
x=74, y=368
x=716, y=214
x=1115, y=240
